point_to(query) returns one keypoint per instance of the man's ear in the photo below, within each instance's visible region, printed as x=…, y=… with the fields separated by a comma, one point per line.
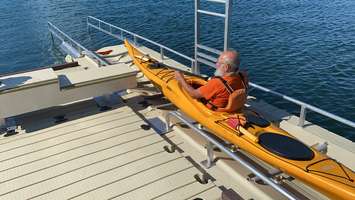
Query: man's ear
x=227, y=68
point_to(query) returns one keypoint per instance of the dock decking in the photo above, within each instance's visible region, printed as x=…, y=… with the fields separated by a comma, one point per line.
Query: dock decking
x=103, y=155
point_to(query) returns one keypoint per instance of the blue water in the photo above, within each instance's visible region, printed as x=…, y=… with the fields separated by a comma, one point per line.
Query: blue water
x=304, y=49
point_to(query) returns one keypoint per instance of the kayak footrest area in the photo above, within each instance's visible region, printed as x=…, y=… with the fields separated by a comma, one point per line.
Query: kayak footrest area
x=214, y=142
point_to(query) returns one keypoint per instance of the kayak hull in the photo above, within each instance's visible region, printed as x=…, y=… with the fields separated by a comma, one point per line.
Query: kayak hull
x=320, y=172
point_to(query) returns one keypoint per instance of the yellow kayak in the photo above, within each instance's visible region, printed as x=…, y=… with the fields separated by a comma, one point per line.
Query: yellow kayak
x=258, y=137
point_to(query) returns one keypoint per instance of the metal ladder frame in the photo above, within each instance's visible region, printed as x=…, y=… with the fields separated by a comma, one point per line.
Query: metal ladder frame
x=202, y=57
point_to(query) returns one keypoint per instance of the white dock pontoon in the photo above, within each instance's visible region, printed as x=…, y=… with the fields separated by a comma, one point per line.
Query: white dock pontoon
x=96, y=129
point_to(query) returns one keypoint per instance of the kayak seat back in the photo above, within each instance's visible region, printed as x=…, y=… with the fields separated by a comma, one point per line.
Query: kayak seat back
x=236, y=101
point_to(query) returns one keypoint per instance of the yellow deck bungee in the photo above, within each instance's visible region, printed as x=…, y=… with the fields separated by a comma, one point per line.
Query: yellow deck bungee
x=319, y=171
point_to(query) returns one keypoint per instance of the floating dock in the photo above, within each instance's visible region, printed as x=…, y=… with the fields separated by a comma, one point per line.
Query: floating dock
x=96, y=128
x=81, y=151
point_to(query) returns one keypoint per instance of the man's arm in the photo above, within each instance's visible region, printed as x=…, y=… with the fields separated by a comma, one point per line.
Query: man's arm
x=194, y=93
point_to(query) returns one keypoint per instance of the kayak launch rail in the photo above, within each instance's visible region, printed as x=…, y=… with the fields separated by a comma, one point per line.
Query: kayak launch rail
x=273, y=183
x=74, y=46
x=304, y=106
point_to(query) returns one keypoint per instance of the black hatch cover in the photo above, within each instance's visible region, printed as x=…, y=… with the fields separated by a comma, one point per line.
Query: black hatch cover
x=285, y=146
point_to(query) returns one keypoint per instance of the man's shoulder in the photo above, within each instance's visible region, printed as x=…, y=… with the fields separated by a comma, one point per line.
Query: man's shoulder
x=231, y=77
x=215, y=81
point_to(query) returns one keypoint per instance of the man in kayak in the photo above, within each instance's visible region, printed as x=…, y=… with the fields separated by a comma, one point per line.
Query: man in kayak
x=227, y=79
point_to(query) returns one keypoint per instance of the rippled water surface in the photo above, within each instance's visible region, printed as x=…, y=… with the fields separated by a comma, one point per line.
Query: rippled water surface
x=304, y=49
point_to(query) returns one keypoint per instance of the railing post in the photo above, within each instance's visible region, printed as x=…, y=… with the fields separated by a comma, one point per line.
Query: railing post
x=98, y=63
x=196, y=68
x=228, y=10
x=79, y=50
x=208, y=163
x=87, y=25
x=162, y=54
x=302, y=117
x=135, y=40
x=52, y=37
x=167, y=121
x=121, y=35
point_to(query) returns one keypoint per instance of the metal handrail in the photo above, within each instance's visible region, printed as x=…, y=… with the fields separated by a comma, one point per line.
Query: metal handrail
x=304, y=106
x=135, y=37
x=239, y=159
x=60, y=34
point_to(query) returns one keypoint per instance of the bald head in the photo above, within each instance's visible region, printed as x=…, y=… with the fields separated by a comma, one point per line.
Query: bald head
x=230, y=58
